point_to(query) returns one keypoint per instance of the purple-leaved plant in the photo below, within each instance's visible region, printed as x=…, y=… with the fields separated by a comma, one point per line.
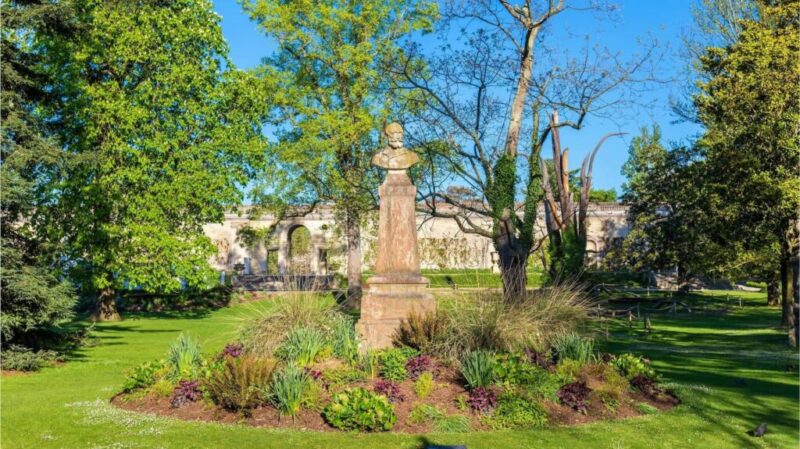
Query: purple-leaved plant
x=389, y=389
x=186, y=391
x=233, y=350
x=574, y=395
x=418, y=365
x=482, y=400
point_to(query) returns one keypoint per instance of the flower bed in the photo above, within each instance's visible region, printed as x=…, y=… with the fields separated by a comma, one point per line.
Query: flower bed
x=314, y=380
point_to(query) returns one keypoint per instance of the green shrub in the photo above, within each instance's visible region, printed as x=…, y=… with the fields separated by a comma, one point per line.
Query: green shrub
x=393, y=363
x=423, y=386
x=359, y=409
x=453, y=424
x=630, y=366
x=302, y=346
x=345, y=342
x=478, y=369
x=515, y=412
x=242, y=384
x=568, y=370
x=289, y=387
x=515, y=369
x=338, y=377
x=163, y=387
x=19, y=358
x=424, y=413
x=143, y=376
x=542, y=384
x=574, y=347
x=613, y=384
x=421, y=331
x=184, y=358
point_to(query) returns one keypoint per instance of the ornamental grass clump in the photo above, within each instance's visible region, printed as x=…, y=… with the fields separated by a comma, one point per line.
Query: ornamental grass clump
x=289, y=387
x=359, y=409
x=345, y=341
x=573, y=347
x=302, y=346
x=478, y=369
x=487, y=322
x=242, y=383
x=184, y=357
x=421, y=331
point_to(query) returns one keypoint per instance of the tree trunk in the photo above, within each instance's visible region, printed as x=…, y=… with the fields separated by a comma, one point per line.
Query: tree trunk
x=513, y=265
x=106, y=306
x=787, y=317
x=773, y=293
x=353, y=237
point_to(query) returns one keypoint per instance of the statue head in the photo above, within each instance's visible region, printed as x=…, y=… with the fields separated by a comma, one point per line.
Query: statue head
x=394, y=134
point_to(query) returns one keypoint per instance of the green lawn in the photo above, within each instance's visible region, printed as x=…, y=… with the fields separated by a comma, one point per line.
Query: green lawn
x=708, y=357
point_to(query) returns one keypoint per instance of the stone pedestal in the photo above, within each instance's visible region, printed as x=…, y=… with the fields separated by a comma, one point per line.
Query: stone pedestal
x=397, y=288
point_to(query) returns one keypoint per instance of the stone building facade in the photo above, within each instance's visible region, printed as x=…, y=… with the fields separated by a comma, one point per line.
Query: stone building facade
x=442, y=244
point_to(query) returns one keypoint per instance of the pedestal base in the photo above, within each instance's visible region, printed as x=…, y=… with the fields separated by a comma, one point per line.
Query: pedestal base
x=385, y=304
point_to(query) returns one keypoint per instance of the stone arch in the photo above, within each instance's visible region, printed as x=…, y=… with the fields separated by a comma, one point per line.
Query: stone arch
x=301, y=250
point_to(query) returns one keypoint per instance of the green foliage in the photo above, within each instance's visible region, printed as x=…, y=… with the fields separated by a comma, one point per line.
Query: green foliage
x=630, y=366
x=421, y=331
x=289, y=387
x=516, y=412
x=19, y=358
x=184, y=357
x=478, y=369
x=424, y=385
x=453, y=424
x=144, y=375
x=34, y=298
x=339, y=377
x=369, y=364
x=162, y=133
x=646, y=409
x=568, y=370
x=242, y=384
x=302, y=346
x=345, y=341
x=573, y=346
x=501, y=193
x=359, y=409
x=424, y=413
x=515, y=369
x=393, y=363
x=603, y=195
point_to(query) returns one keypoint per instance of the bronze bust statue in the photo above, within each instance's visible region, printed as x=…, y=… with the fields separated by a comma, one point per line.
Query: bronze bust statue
x=394, y=156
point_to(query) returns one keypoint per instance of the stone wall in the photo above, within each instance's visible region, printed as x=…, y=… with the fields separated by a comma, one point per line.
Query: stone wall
x=441, y=242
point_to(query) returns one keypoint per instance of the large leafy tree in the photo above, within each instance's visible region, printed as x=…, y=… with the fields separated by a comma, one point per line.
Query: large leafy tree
x=33, y=297
x=330, y=78
x=162, y=133
x=751, y=145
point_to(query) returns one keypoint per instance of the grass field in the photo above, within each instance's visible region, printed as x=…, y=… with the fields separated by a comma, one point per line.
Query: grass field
x=731, y=372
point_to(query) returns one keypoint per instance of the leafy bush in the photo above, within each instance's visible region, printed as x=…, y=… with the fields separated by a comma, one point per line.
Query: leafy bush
x=574, y=395
x=342, y=376
x=302, y=346
x=186, y=391
x=424, y=413
x=242, y=384
x=515, y=369
x=612, y=388
x=478, y=369
x=630, y=366
x=289, y=387
x=232, y=350
x=389, y=389
x=573, y=347
x=568, y=370
x=19, y=358
x=345, y=342
x=143, y=376
x=515, y=412
x=393, y=363
x=263, y=335
x=487, y=322
x=418, y=365
x=542, y=384
x=359, y=409
x=184, y=357
x=482, y=399
x=421, y=331
x=423, y=386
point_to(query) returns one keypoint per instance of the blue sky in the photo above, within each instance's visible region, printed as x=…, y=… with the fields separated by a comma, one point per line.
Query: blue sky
x=662, y=20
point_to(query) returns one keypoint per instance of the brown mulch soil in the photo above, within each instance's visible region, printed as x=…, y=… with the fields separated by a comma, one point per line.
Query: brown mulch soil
x=443, y=398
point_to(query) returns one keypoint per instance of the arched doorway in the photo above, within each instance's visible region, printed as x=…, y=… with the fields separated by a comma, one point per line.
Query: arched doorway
x=300, y=251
